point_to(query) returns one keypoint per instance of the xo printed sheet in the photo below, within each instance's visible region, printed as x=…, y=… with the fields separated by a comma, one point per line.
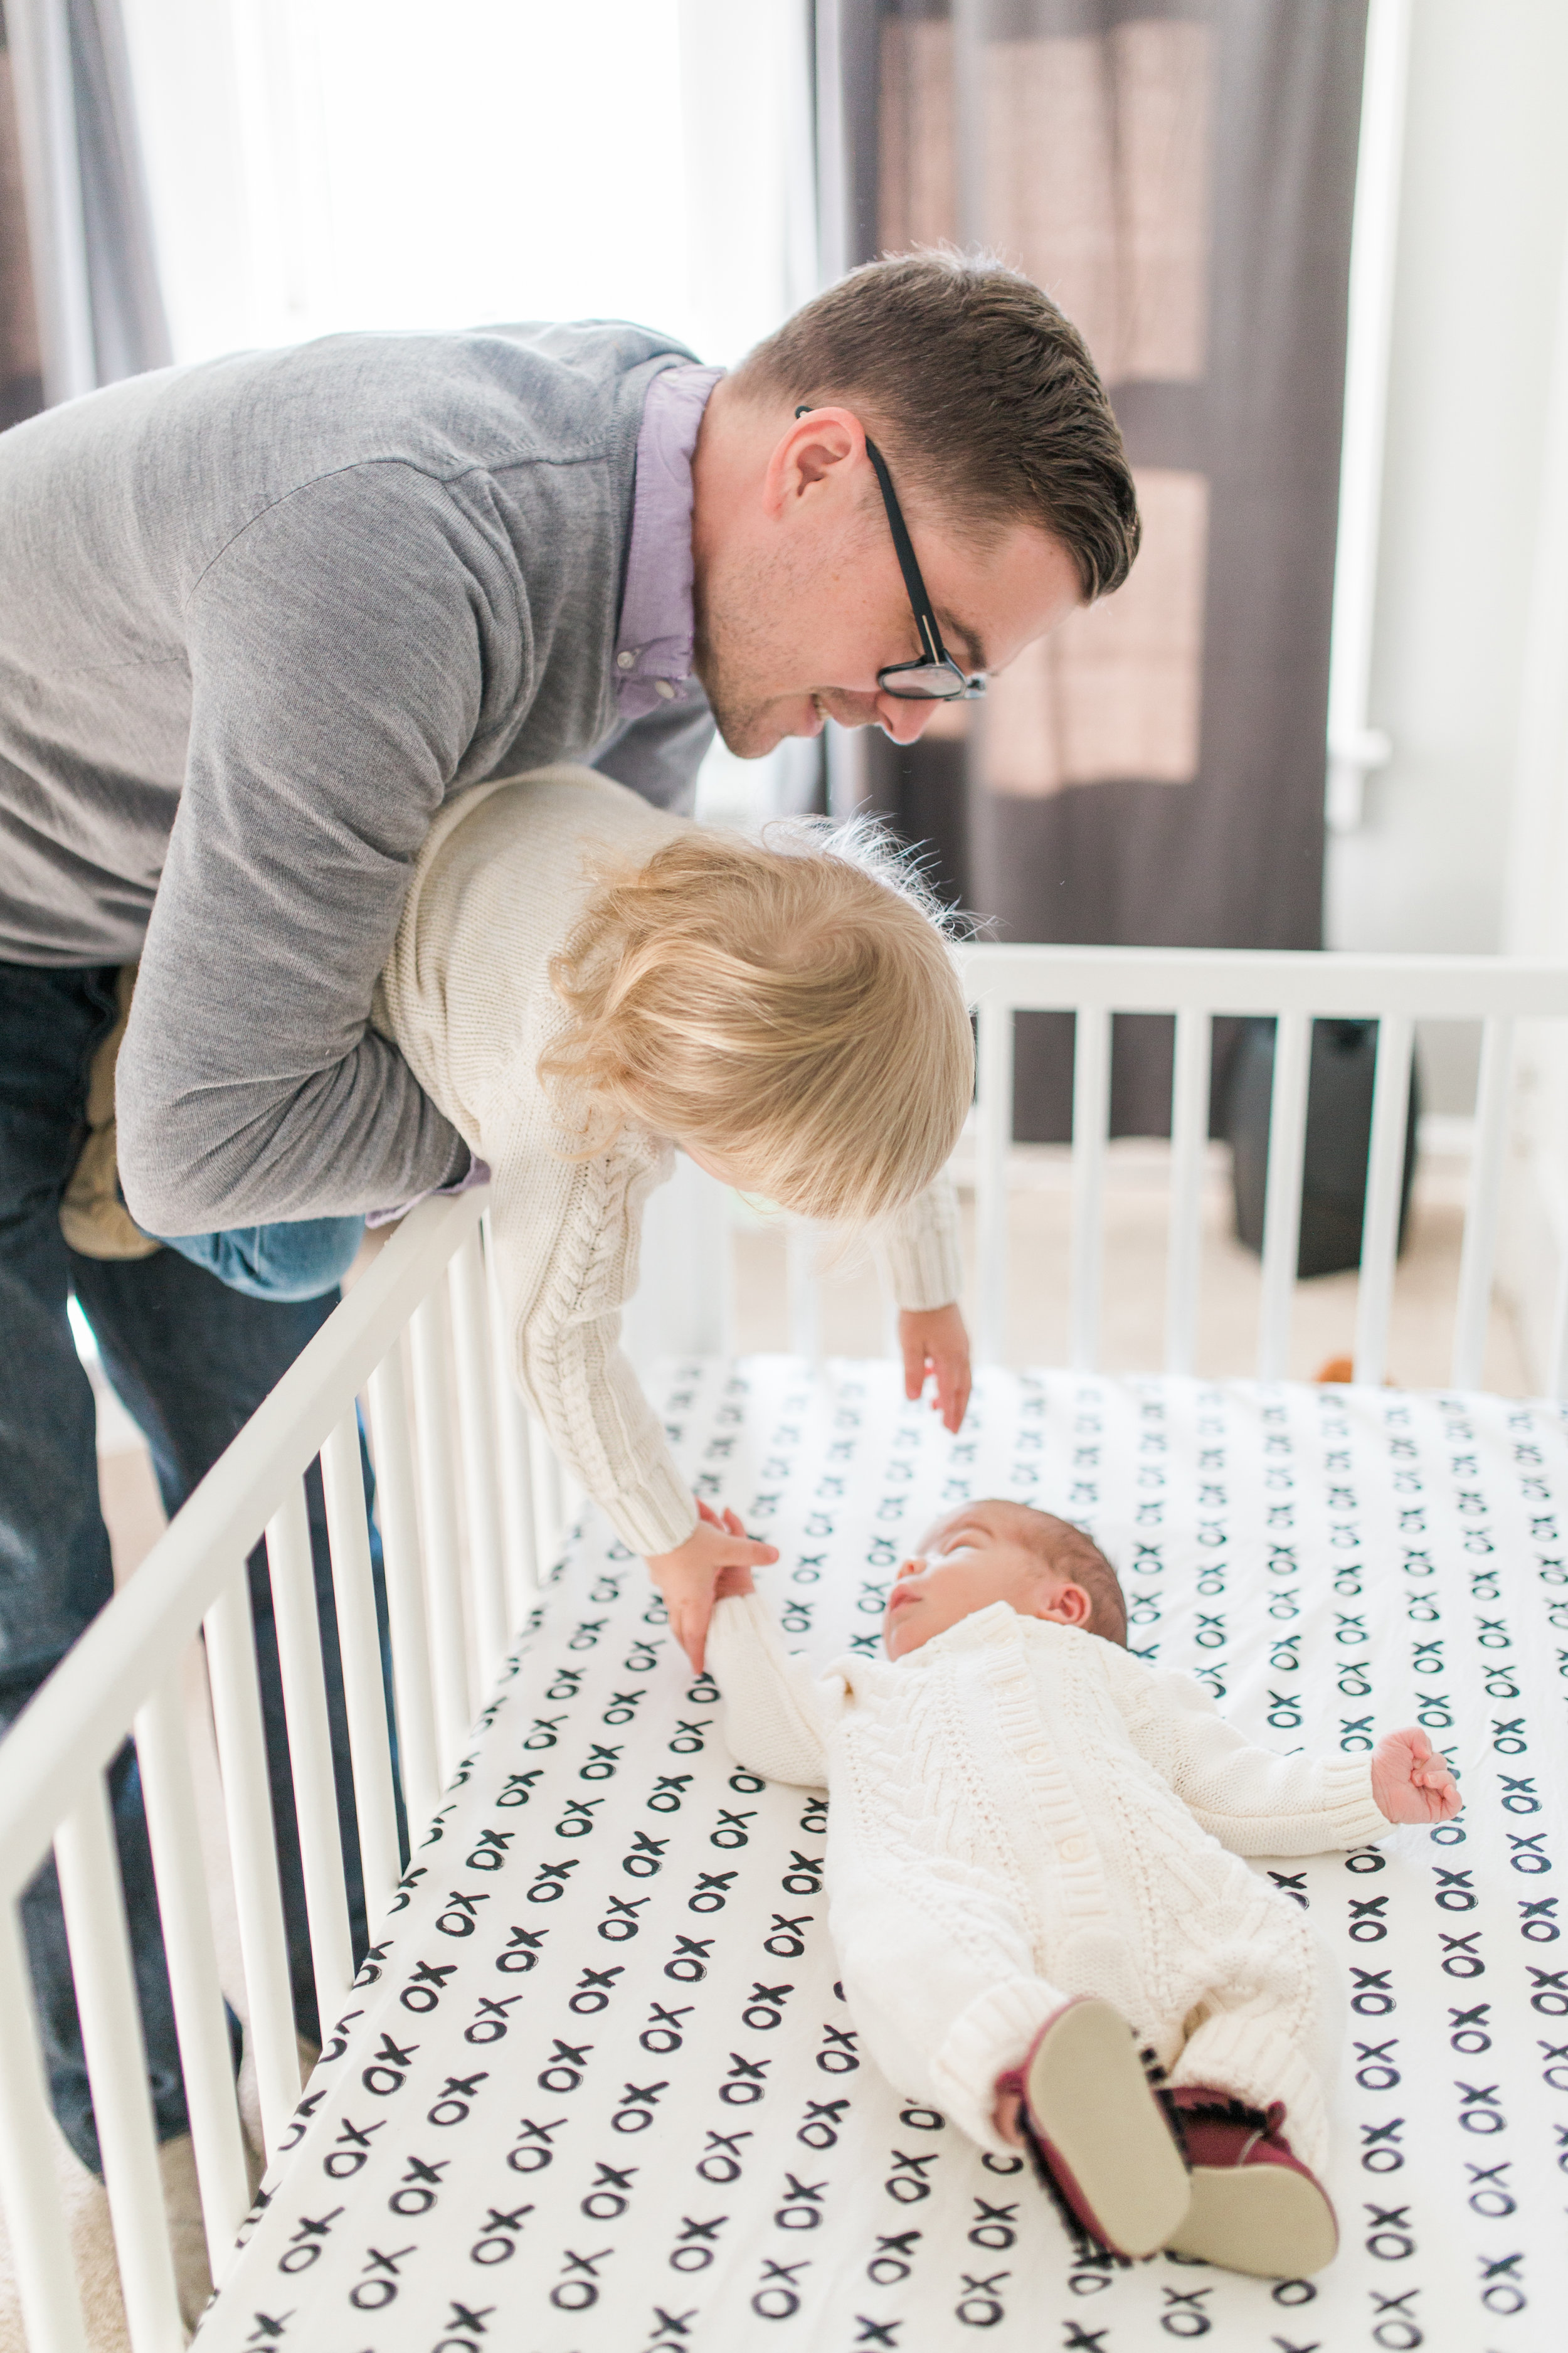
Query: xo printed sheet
x=597, y=2092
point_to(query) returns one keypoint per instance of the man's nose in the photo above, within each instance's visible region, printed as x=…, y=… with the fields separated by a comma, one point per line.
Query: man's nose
x=901, y=718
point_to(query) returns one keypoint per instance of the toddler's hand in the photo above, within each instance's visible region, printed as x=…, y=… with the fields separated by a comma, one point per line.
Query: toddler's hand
x=716, y=1560
x=934, y=1343
x=1410, y=1782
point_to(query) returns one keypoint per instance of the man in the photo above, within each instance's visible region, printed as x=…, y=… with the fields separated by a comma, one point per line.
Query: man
x=260, y=619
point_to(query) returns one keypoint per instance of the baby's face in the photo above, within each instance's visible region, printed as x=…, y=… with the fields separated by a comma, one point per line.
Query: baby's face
x=978, y=1555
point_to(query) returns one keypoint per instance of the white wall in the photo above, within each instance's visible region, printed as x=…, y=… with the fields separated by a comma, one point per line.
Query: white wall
x=1481, y=241
x=1535, y=915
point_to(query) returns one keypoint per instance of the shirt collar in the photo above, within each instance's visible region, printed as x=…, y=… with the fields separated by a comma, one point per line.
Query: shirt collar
x=654, y=638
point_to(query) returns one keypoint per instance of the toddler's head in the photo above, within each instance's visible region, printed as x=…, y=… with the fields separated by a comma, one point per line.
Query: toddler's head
x=995, y=1551
x=787, y=1010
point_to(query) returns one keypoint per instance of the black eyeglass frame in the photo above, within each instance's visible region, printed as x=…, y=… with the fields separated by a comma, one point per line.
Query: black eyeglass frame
x=943, y=681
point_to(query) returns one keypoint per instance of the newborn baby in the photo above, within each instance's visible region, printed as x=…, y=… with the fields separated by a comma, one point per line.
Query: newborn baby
x=1036, y=1893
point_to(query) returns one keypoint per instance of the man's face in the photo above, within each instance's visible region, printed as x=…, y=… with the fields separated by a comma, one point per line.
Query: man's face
x=974, y=1557
x=800, y=600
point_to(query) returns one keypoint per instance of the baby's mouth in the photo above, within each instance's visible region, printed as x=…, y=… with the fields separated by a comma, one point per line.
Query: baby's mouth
x=900, y=1595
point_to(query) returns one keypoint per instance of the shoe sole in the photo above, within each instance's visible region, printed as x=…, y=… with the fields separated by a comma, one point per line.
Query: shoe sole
x=1262, y=2219
x=1095, y=2118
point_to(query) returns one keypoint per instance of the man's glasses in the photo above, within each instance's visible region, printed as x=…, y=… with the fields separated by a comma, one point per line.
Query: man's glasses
x=934, y=676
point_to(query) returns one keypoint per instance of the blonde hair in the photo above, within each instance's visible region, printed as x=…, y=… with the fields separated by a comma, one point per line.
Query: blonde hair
x=789, y=1006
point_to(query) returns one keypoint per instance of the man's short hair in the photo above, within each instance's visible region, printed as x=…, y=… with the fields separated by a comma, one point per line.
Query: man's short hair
x=1070, y=1552
x=982, y=394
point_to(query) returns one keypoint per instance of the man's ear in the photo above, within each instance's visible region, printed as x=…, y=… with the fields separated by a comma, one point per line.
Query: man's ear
x=813, y=446
x=1063, y=1605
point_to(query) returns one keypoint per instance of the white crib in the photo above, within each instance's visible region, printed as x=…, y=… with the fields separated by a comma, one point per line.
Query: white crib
x=470, y=1508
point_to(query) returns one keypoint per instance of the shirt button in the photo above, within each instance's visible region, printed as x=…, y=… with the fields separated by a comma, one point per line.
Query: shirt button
x=1071, y=1850
x=625, y=661
x=661, y=686
x=1036, y=1755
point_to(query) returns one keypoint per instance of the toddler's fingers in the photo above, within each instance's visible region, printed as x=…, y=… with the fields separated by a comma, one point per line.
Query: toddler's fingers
x=760, y=1555
x=692, y=1630
x=706, y=1512
x=953, y=1385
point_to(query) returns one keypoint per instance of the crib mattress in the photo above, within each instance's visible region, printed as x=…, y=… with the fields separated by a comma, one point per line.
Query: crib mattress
x=598, y=2093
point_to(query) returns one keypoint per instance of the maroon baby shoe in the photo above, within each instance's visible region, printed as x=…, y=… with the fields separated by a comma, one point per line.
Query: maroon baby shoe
x=1253, y=2206
x=1100, y=2136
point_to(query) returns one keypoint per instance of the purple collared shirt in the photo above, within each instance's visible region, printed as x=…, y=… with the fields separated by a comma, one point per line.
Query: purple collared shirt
x=654, y=641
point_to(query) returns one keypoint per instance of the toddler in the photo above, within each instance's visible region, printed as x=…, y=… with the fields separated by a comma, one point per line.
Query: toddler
x=582, y=983
x=1036, y=1892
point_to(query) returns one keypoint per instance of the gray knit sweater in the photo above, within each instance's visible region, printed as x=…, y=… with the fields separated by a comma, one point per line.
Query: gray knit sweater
x=259, y=620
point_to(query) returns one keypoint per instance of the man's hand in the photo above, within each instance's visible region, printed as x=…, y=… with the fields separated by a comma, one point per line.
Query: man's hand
x=716, y=1560
x=934, y=1343
x=1410, y=1782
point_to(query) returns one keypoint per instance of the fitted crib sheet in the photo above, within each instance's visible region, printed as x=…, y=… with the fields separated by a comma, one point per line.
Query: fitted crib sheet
x=597, y=2092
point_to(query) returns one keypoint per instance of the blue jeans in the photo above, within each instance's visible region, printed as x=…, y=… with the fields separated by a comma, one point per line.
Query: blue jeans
x=192, y=1359
x=285, y=1261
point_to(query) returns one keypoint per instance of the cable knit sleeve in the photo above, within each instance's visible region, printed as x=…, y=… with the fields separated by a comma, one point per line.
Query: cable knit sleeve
x=918, y=1248
x=566, y=1236
x=774, y=1706
x=1253, y=1801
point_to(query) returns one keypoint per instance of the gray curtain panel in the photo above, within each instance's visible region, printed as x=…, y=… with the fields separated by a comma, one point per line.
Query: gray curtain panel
x=1179, y=175
x=21, y=363
x=78, y=283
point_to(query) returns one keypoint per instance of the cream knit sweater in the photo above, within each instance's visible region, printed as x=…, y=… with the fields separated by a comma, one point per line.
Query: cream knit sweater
x=1021, y=1812
x=466, y=995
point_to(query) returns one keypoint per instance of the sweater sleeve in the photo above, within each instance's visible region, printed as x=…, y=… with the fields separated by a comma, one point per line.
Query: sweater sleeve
x=918, y=1248
x=565, y=1238
x=1253, y=1801
x=348, y=652
x=773, y=1722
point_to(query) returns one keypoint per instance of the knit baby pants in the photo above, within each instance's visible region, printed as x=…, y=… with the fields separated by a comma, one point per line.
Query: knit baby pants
x=949, y=1980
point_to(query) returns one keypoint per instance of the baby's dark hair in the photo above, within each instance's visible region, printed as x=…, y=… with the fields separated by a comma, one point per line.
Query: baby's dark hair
x=1071, y=1552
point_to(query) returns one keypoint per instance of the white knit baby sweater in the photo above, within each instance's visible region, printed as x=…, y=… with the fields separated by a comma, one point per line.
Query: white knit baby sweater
x=466, y=995
x=1022, y=1811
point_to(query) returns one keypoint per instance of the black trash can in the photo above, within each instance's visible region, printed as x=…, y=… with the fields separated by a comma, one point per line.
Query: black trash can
x=1339, y=1139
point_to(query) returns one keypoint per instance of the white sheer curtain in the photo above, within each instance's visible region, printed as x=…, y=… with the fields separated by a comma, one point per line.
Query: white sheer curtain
x=318, y=165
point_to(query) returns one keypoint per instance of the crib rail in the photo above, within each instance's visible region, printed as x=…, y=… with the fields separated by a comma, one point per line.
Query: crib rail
x=1197, y=986
x=467, y=1499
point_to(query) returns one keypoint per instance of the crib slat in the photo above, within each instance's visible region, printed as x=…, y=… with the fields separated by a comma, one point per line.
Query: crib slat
x=402, y=1560
x=1189, y=1140
x=992, y=1135
x=359, y=1648
x=94, y=1907
x=470, y=1350
x=549, y=1499
x=194, y=1984
x=1479, y=1249
x=29, y=2194
x=1282, y=1197
x=514, y=1455
x=253, y=1851
x=1384, y=1184
x=1557, y=1355
x=802, y=1248
x=1091, y=1122
x=309, y=1749
x=438, y=1516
